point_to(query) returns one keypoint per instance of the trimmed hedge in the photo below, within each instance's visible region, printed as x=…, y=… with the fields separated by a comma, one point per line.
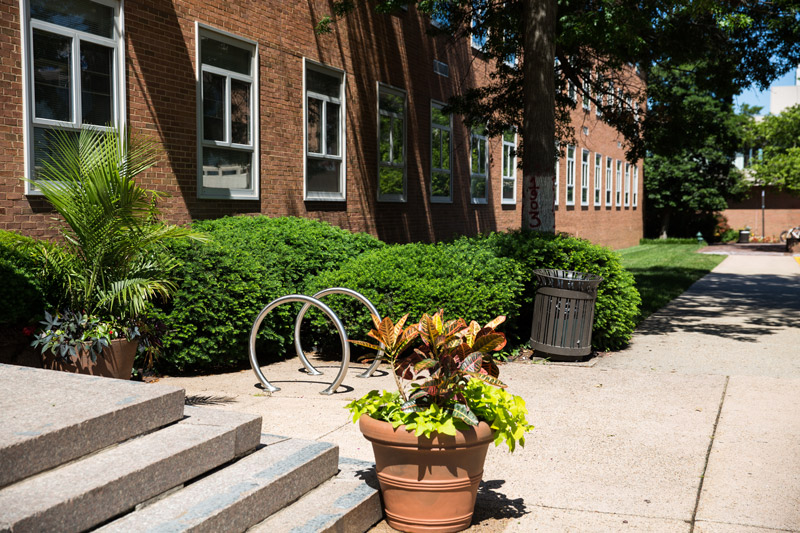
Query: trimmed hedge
x=618, y=300
x=224, y=284
x=21, y=293
x=465, y=281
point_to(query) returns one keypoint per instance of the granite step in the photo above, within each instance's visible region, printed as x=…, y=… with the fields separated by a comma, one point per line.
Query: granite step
x=240, y=495
x=91, y=490
x=348, y=503
x=51, y=418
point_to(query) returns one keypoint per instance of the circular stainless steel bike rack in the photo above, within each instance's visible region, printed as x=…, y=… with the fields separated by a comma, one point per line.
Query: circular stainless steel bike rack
x=308, y=301
x=334, y=290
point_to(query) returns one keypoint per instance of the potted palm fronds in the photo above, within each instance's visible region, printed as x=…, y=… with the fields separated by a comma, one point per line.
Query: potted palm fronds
x=430, y=438
x=110, y=260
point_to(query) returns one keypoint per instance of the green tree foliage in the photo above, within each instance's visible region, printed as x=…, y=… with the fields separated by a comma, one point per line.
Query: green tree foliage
x=779, y=138
x=684, y=180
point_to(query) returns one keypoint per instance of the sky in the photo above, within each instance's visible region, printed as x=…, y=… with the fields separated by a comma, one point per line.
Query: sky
x=761, y=98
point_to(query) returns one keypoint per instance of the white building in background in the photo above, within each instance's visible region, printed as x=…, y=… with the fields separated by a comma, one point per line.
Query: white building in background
x=782, y=97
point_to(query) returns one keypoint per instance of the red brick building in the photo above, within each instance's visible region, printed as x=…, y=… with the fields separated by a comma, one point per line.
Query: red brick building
x=258, y=114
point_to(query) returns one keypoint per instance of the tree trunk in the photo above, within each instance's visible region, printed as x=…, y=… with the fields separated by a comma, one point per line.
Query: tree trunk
x=538, y=121
x=665, y=217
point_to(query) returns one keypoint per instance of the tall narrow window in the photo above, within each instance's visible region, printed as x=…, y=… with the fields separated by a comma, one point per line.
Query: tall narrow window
x=228, y=166
x=635, y=186
x=627, y=184
x=557, y=181
x=598, y=177
x=585, y=177
x=391, y=144
x=74, y=64
x=441, y=151
x=570, y=175
x=479, y=165
x=619, y=183
x=324, y=133
x=587, y=90
x=509, y=179
x=609, y=181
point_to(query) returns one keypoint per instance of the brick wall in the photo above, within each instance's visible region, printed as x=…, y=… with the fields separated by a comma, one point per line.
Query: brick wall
x=370, y=48
x=781, y=212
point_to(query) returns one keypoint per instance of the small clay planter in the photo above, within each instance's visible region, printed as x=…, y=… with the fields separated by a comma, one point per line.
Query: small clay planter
x=116, y=361
x=427, y=484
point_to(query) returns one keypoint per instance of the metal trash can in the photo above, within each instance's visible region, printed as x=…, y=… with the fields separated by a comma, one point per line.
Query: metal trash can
x=563, y=313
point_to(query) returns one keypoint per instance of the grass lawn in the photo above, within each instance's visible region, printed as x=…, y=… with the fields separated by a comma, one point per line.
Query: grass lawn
x=664, y=271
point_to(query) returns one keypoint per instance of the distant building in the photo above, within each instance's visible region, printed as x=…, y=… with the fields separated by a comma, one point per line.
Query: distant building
x=782, y=97
x=258, y=114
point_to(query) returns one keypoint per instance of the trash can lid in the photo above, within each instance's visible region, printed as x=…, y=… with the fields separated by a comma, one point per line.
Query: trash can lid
x=567, y=279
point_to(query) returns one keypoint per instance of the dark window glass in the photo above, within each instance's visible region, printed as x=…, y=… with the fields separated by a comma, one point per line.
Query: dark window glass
x=82, y=15
x=97, y=64
x=213, y=107
x=224, y=55
x=51, y=75
x=240, y=112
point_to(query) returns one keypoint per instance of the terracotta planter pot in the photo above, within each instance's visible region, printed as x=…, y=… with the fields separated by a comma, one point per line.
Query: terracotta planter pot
x=116, y=361
x=427, y=484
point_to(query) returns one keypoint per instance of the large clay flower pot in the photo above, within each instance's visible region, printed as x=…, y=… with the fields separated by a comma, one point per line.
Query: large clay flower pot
x=116, y=361
x=427, y=484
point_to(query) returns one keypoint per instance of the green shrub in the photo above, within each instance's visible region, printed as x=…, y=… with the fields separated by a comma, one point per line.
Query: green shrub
x=465, y=281
x=617, y=298
x=21, y=293
x=224, y=284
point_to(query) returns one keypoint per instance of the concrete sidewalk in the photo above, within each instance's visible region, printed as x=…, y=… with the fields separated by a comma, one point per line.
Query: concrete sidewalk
x=693, y=428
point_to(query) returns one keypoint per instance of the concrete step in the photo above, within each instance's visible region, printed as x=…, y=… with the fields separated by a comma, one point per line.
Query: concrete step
x=348, y=503
x=51, y=418
x=240, y=495
x=94, y=489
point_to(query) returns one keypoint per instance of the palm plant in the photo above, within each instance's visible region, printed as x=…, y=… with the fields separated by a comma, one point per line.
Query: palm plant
x=112, y=260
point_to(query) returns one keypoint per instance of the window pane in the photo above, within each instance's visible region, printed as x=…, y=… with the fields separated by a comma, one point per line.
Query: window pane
x=51, y=75
x=508, y=189
x=227, y=169
x=475, y=153
x=323, y=175
x=384, y=142
x=314, y=125
x=82, y=15
x=437, y=117
x=332, y=128
x=440, y=184
x=397, y=138
x=43, y=139
x=97, y=64
x=478, y=187
x=240, y=112
x=391, y=103
x=436, y=148
x=508, y=136
x=445, y=150
x=213, y=107
x=324, y=84
x=391, y=180
x=224, y=55
x=482, y=160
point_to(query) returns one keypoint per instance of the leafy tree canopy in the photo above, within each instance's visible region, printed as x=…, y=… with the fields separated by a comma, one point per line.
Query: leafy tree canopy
x=778, y=136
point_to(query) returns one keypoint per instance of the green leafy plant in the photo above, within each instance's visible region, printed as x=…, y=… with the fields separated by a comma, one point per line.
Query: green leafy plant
x=67, y=333
x=453, y=379
x=111, y=259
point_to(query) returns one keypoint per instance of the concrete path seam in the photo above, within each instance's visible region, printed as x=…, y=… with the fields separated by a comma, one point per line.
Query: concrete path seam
x=708, y=455
x=759, y=528
x=610, y=513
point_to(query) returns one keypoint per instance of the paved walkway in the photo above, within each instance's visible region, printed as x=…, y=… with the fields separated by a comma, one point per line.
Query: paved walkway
x=693, y=428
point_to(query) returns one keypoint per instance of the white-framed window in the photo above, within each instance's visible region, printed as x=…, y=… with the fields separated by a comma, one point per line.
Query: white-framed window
x=74, y=69
x=570, y=175
x=611, y=94
x=587, y=91
x=557, y=181
x=635, y=192
x=598, y=177
x=620, y=98
x=585, y=177
x=609, y=181
x=571, y=91
x=441, y=154
x=227, y=116
x=479, y=165
x=509, y=178
x=391, y=144
x=600, y=97
x=619, y=183
x=324, y=132
x=627, y=184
